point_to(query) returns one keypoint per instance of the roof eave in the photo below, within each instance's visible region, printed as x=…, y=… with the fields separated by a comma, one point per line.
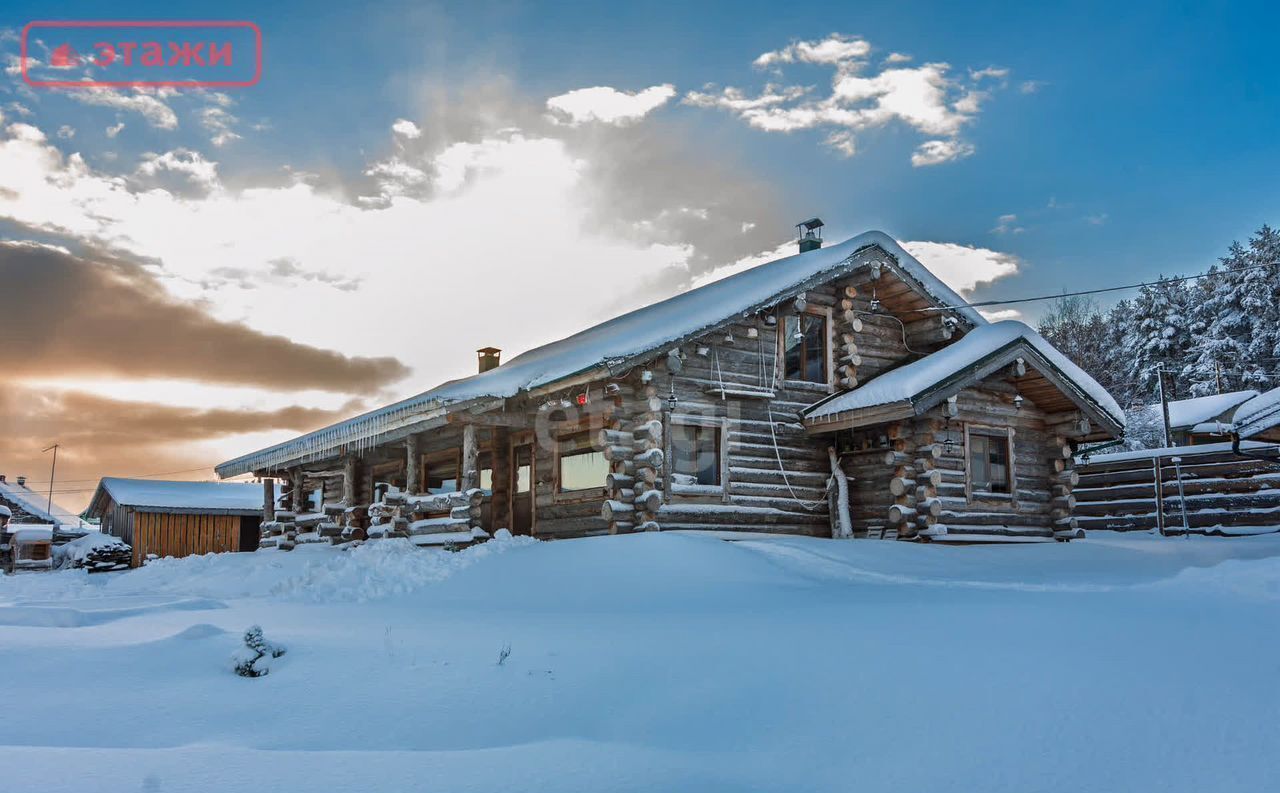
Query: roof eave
x=930, y=397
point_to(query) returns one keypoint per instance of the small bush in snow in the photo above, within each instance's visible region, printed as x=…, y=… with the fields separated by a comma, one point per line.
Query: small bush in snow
x=255, y=659
x=504, y=654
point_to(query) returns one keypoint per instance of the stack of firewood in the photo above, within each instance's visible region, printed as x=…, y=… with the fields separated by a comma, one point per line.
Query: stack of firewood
x=104, y=558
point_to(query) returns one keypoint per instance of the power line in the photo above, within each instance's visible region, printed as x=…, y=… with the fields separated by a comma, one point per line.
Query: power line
x=125, y=476
x=1177, y=280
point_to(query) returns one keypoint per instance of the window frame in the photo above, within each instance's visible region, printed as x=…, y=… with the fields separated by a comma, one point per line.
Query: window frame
x=827, y=316
x=721, y=428
x=986, y=431
x=426, y=460
x=558, y=455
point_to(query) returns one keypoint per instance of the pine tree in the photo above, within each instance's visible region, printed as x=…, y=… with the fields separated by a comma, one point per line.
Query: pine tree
x=1239, y=342
x=1159, y=335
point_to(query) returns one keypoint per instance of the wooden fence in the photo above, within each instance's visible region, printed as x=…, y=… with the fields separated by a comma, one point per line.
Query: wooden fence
x=1206, y=489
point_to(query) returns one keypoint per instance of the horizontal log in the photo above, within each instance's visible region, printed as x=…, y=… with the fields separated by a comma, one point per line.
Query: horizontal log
x=615, y=510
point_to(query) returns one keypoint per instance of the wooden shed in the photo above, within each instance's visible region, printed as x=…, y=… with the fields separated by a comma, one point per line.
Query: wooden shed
x=165, y=518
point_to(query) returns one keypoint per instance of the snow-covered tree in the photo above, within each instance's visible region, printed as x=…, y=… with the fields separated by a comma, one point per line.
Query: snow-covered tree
x=1239, y=343
x=1158, y=336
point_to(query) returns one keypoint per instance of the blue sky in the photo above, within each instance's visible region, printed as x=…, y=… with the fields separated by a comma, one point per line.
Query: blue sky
x=1157, y=121
x=600, y=156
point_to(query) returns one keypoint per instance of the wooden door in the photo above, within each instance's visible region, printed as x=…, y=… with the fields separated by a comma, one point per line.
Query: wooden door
x=521, y=489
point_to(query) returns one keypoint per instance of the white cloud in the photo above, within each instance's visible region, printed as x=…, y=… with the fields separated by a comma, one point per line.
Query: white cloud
x=1096, y=220
x=1000, y=314
x=835, y=48
x=964, y=267
x=936, y=152
x=991, y=72
x=114, y=129
x=218, y=122
x=190, y=164
x=1030, y=86
x=148, y=104
x=1007, y=224
x=66, y=132
x=929, y=99
x=609, y=105
x=402, y=252
x=843, y=142
x=406, y=128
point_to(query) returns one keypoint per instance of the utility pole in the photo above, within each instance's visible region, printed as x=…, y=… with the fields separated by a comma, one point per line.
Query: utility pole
x=52, y=469
x=1164, y=408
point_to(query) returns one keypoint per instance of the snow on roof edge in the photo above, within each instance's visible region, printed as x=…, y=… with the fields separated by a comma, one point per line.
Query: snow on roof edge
x=176, y=494
x=1173, y=451
x=650, y=327
x=911, y=380
x=1258, y=414
x=36, y=504
x=1185, y=413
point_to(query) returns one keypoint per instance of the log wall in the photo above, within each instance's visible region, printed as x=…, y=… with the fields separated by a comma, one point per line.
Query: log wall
x=909, y=478
x=1224, y=494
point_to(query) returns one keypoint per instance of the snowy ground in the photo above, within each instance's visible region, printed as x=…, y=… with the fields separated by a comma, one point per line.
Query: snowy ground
x=656, y=662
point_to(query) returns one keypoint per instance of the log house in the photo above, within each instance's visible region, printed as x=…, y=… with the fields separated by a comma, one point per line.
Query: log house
x=773, y=400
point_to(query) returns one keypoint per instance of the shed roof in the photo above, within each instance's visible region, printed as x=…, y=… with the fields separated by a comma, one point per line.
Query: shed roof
x=907, y=385
x=1259, y=414
x=157, y=495
x=617, y=341
x=1186, y=413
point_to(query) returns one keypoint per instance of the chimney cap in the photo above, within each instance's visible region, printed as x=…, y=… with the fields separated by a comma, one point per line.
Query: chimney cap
x=488, y=350
x=812, y=224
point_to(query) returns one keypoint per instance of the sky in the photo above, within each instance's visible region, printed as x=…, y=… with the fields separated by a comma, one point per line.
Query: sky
x=187, y=275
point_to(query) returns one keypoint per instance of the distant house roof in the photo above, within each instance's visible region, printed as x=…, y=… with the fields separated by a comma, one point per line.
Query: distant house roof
x=617, y=342
x=1259, y=414
x=917, y=386
x=37, y=504
x=155, y=495
x=1184, y=414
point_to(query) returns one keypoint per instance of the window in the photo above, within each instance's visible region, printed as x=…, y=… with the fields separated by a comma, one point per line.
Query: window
x=695, y=451
x=989, y=462
x=440, y=473
x=804, y=347
x=581, y=467
x=485, y=463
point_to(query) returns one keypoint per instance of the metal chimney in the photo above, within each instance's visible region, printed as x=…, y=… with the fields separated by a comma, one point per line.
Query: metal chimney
x=489, y=357
x=810, y=232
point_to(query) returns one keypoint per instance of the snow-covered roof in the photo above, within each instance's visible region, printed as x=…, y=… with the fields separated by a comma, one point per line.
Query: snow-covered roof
x=906, y=383
x=1184, y=413
x=156, y=495
x=37, y=504
x=1173, y=451
x=1258, y=415
x=32, y=532
x=616, y=341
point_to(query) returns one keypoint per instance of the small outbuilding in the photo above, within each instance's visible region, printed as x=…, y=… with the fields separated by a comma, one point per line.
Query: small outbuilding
x=1205, y=419
x=166, y=518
